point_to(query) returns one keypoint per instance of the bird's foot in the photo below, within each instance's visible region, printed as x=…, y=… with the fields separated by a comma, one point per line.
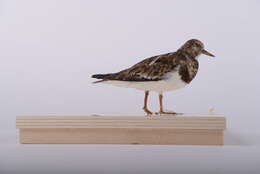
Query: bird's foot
x=147, y=111
x=165, y=113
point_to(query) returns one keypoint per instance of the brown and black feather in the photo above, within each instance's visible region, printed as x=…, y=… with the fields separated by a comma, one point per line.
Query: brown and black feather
x=155, y=68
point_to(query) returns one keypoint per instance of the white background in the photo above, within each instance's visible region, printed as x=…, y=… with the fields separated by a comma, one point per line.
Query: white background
x=49, y=49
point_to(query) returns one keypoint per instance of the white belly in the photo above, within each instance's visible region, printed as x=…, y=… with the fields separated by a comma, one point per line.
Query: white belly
x=171, y=82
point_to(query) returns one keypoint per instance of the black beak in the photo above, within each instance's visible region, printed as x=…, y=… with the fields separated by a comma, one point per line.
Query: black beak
x=207, y=53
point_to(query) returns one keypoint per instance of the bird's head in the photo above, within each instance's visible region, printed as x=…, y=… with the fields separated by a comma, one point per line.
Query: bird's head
x=194, y=48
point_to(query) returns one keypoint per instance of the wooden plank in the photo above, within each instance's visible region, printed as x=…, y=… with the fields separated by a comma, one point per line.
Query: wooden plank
x=180, y=122
x=186, y=130
x=141, y=117
x=121, y=136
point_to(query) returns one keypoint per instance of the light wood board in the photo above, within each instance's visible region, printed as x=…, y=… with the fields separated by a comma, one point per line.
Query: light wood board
x=185, y=130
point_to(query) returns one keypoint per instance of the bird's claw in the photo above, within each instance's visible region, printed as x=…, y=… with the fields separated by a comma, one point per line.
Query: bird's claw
x=148, y=113
x=165, y=113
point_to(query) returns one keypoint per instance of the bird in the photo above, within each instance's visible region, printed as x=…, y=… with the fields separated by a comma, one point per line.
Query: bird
x=161, y=73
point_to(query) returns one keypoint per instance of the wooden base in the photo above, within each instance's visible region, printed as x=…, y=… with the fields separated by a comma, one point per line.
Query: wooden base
x=181, y=130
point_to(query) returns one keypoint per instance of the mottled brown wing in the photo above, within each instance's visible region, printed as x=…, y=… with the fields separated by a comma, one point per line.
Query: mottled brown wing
x=150, y=69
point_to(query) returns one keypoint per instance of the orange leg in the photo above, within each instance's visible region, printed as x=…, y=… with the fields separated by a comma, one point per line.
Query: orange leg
x=161, y=106
x=146, y=110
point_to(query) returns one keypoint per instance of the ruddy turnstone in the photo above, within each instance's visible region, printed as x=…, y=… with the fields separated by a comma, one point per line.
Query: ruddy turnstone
x=160, y=73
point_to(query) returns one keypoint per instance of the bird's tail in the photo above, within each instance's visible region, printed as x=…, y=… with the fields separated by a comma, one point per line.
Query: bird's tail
x=98, y=81
x=100, y=76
